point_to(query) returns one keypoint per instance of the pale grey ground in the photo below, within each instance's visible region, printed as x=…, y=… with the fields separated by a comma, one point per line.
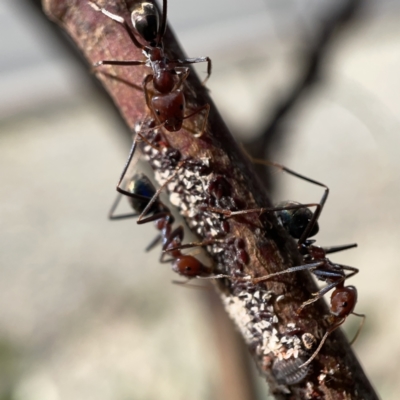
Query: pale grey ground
x=84, y=312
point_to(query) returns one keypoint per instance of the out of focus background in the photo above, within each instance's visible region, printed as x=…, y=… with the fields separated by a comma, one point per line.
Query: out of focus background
x=85, y=313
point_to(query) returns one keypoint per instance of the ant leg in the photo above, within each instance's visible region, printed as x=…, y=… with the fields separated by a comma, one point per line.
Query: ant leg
x=193, y=244
x=121, y=63
x=114, y=207
x=260, y=211
x=146, y=81
x=195, y=61
x=202, y=287
x=122, y=191
x=353, y=270
x=154, y=217
x=335, y=249
x=159, y=190
x=182, y=282
x=187, y=281
x=221, y=276
x=119, y=20
x=151, y=218
x=363, y=316
x=117, y=62
x=183, y=73
x=176, y=236
x=203, y=128
x=177, y=233
x=128, y=161
x=318, y=295
x=153, y=243
x=304, y=267
x=131, y=154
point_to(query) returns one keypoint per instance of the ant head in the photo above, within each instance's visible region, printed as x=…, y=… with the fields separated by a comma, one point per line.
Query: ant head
x=141, y=186
x=295, y=221
x=343, y=301
x=187, y=266
x=146, y=21
x=169, y=109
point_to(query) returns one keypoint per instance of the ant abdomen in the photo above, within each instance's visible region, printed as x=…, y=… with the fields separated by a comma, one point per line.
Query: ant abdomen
x=295, y=221
x=343, y=301
x=140, y=185
x=145, y=19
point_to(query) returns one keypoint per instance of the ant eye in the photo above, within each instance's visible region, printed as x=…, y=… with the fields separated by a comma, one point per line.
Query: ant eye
x=188, y=269
x=181, y=106
x=344, y=304
x=158, y=112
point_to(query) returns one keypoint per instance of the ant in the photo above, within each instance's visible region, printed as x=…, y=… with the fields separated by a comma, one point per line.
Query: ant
x=141, y=192
x=167, y=102
x=301, y=223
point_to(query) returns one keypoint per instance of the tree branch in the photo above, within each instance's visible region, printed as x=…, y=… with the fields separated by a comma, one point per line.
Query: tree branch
x=265, y=313
x=312, y=65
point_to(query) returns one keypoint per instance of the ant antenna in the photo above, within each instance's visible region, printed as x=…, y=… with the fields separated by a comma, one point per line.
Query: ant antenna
x=190, y=286
x=219, y=276
x=364, y=317
x=329, y=331
x=163, y=26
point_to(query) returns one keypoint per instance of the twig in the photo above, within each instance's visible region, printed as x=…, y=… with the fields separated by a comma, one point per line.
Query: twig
x=255, y=245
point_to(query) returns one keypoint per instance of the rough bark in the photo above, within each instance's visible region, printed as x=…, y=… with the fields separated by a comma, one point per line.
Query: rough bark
x=266, y=313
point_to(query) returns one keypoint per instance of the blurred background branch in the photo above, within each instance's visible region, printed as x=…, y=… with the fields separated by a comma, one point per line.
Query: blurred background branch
x=311, y=72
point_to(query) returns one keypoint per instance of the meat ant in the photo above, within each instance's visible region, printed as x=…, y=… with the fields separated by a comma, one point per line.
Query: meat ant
x=168, y=102
x=140, y=193
x=301, y=223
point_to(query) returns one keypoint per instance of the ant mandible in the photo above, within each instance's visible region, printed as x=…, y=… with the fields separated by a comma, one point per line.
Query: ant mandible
x=301, y=223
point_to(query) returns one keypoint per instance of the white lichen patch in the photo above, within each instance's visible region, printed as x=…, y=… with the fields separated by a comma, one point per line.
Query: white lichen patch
x=251, y=308
x=253, y=313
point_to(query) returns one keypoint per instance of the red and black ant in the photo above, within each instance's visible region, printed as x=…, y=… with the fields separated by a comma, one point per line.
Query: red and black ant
x=140, y=192
x=301, y=223
x=167, y=102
